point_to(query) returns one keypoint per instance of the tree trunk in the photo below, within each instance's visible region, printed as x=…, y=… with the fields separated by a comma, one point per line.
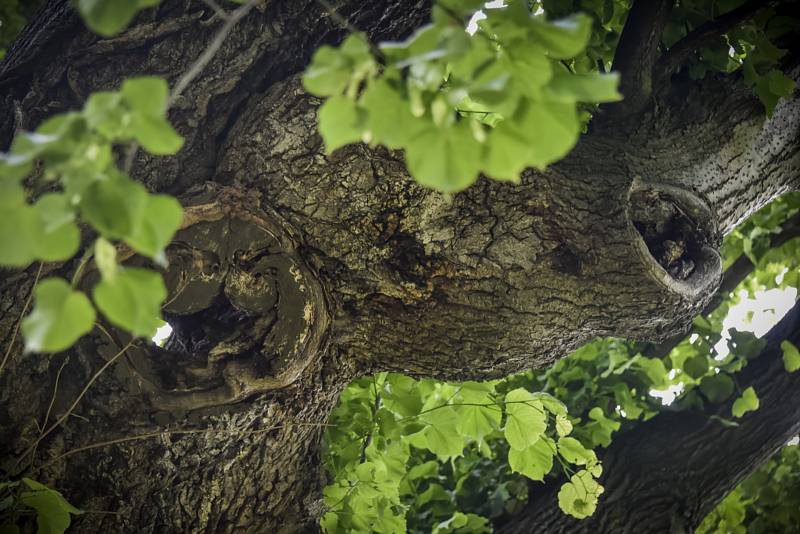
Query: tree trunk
x=296, y=272
x=667, y=474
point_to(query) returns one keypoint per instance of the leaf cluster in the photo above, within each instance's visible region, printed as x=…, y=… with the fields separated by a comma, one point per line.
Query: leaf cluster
x=495, y=102
x=71, y=157
x=390, y=435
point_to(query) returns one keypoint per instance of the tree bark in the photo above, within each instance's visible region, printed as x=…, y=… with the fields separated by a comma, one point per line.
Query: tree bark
x=667, y=474
x=498, y=279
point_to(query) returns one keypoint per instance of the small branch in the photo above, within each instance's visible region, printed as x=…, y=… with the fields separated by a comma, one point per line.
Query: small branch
x=681, y=51
x=76, y=401
x=337, y=18
x=162, y=433
x=218, y=11
x=19, y=321
x=52, y=400
x=637, y=53
x=201, y=62
x=347, y=25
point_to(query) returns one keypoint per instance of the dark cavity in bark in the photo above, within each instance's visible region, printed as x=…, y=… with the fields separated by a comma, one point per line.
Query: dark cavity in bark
x=679, y=233
x=246, y=312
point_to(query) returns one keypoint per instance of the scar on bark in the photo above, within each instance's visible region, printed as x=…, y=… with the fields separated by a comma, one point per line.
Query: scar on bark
x=248, y=314
x=676, y=237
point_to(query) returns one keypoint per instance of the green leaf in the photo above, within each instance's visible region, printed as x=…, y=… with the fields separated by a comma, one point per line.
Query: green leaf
x=446, y=159
x=57, y=236
x=791, y=356
x=341, y=122
x=578, y=497
x=696, y=366
x=147, y=99
x=654, y=369
x=444, y=441
x=563, y=38
x=526, y=420
x=105, y=256
x=389, y=118
x=333, y=70
x=563, y=425
x=717, y=388
x=745, y=344
x=551, y=403
x=780, y=84
x=746, y=403
x=593, y=87
x=132, y=300
x=114, y=206
x=155, y=134
x=478, y=421
x=575, y=453
x=160, y=218
x=535, y=461
x=463, y=523
x=52, y=510
x=539, y=134
x=104, y=111
x=109, y=17
x=18, y=241
x=60, y=316
x=43, y=231
x=146, y=95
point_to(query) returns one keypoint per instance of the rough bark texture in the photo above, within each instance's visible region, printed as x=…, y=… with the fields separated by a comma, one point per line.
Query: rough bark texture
x=667, y=474
x=497, y=279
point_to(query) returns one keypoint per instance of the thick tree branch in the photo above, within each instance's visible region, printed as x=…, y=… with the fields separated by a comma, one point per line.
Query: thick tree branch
x=500, y=278
x=665, y=475
x=681, y=51
x=637, y=52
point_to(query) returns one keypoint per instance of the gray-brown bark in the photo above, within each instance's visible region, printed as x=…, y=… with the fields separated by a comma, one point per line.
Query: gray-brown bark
x=500, y=278
x=667, y=474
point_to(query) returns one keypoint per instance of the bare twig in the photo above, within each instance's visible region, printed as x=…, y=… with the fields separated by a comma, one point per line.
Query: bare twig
x=681, y=51
x=130, y=156
x=349, y=26
x=161, y=433
x=52, y=400
x=201, y=62
x=19, y=321
x=218, y=11
x=337, y=18
x=76, y=401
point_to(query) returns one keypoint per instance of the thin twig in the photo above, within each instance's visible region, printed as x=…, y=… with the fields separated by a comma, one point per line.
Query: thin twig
x=76, y=401
x=130, y=156
x=52, y=400
x=159, y=433
x=349, y=26
x=337, y=18
x=201, y=62
x=84, y=261
x=198, y=66
x=218, y=11
x=19, y=321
